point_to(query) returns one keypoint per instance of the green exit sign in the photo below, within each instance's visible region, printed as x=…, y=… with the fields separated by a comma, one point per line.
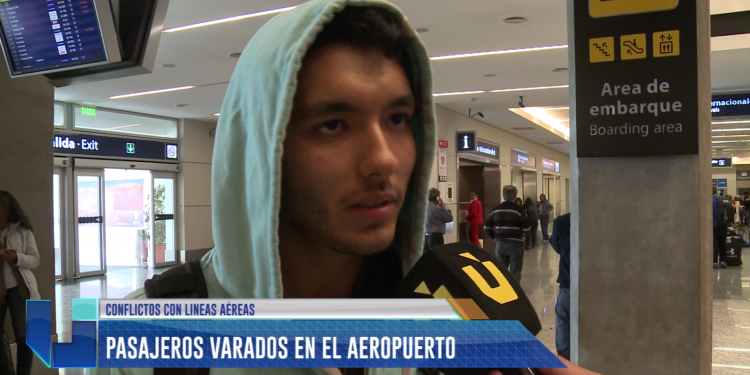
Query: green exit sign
x=130, y=148
x=88, y=111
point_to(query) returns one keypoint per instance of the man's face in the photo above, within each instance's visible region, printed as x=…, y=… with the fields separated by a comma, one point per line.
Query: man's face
x=472, y=196
x=349, y=151
x=542, y=197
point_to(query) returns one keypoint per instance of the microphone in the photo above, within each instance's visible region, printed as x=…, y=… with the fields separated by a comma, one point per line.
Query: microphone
x=480, y=286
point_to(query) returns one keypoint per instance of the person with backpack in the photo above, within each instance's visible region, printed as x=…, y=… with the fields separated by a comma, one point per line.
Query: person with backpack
x=721, y=212
x=532, y=212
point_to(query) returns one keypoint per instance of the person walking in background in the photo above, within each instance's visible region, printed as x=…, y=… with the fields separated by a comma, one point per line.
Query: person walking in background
x=720, y=214
x=437, y=217
x=532, y=212
x=560, y=241
x=475, y=219
x=545, y=208
x=738, y=209
x=506, y=224
x=18, y=256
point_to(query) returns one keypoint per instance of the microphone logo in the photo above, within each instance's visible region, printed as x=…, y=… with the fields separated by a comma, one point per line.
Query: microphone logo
x=501, y=294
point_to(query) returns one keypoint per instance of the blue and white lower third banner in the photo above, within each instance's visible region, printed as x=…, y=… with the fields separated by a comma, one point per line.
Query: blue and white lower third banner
x=399, y=333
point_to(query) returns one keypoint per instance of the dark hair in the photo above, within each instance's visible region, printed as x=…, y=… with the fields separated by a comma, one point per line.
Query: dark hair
x=528, y=202
x=433, y=194
x=365, y=27
x=10, y=205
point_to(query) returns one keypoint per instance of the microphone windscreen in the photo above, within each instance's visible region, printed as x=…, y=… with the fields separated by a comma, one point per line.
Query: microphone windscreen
x=475, y=283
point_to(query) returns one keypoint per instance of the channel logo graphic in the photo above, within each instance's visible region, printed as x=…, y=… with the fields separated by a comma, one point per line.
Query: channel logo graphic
x=81, y=353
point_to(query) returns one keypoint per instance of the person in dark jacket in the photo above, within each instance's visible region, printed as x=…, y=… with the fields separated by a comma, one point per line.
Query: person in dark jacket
x=506, y=224
x=560, y=241
x=532, y=211
x=437, y=217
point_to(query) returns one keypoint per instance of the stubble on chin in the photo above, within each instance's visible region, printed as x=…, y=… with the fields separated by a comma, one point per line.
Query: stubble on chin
x=305, y=213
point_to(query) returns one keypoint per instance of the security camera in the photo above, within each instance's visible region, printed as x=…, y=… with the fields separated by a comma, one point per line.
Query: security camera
x=476, y=113
x=520, y=102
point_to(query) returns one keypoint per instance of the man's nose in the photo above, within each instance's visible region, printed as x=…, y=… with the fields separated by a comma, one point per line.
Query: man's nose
x=378, y=159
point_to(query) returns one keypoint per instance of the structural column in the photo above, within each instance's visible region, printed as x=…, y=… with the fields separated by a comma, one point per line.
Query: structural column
x=26, y=127
x=641, y=239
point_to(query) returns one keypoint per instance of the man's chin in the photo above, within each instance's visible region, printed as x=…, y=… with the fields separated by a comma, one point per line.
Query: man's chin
x=363, y=244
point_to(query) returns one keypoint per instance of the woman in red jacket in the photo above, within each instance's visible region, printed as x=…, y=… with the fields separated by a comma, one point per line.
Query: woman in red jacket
x=474, y=218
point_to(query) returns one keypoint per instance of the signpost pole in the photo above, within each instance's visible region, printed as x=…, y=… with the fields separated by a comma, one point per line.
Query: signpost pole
x=641, y=235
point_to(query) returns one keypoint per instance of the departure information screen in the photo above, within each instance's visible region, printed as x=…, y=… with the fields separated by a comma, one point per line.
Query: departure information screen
x=45, y=35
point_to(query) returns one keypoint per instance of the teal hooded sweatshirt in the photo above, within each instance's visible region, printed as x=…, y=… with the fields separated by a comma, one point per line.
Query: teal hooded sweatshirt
x=246, y=174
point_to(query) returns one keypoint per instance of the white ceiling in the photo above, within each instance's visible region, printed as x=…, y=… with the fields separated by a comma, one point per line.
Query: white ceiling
x=202, y=58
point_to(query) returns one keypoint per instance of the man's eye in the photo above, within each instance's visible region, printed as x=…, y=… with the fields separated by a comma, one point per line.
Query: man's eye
x=399, y=120
x=331, y=127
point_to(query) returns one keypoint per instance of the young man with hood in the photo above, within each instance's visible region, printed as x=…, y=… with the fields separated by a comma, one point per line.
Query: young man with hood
x=331, y=120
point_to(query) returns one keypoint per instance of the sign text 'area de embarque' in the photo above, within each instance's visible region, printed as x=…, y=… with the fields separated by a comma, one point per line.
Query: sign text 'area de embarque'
x=636, y=83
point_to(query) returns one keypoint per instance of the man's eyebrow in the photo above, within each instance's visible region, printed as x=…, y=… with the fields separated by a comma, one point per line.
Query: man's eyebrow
x=333, y=107
x=404, y=101
x=326, y=108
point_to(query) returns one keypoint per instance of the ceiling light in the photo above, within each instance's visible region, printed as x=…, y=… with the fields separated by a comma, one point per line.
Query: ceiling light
x=122, y=126
x=532, y=88
x=731, y=122
x=235, y=55
x=731, y=130
x=515, y=20
x=168, y=65
x=502, y=52
x=556, y=108
x=737, y=141
x=731, y=136
x=459, y=93
x=422, y=30
x=216, y=114
x=559, y=70
x=490, y=75
x=229, y=19
x=151, y=92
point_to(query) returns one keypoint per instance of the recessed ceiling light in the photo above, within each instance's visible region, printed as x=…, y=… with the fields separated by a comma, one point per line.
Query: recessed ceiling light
x=229, y=19
x=151, y=92
x=422, y=30
x=168, y=65
x=216, y=114
x=515, y=20
x=490, y=75
x=501, y=52
x=235, y=55
x=532, y=88
x=459, y=93
x=182, y=105
x=559, y=70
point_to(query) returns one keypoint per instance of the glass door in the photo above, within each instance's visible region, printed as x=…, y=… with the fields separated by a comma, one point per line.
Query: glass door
x=163, y=246
x=57, y=227
x=89, y=205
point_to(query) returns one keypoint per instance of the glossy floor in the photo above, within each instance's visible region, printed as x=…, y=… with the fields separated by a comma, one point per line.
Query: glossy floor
x=731, y=305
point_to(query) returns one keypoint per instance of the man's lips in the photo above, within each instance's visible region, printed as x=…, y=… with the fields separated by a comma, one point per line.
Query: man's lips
x=375, y=207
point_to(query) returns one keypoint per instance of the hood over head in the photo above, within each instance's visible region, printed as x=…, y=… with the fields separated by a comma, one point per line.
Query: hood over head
x=248, y=149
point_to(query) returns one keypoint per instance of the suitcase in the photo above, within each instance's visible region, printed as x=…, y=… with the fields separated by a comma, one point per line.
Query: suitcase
x=734, y=251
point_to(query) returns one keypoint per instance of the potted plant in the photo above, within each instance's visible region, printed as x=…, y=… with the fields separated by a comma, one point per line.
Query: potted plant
x=160, y=227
